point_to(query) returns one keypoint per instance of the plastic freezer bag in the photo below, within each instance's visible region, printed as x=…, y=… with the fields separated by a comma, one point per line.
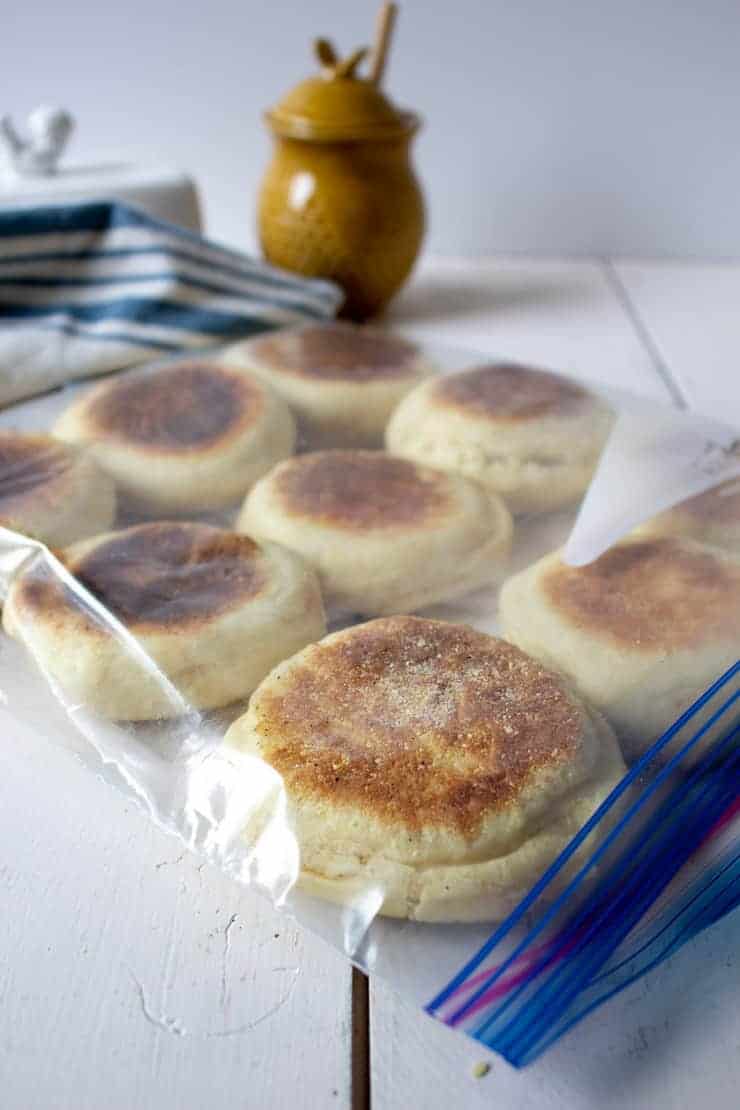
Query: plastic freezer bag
x=493, y=824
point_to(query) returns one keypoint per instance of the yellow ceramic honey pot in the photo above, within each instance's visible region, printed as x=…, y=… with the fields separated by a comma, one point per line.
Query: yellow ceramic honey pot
x=340, y=199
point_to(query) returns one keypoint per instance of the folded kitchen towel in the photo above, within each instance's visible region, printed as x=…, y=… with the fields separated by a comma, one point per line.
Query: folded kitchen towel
x=89, y=288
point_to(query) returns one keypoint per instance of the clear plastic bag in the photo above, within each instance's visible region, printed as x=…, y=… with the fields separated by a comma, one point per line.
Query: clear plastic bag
x=668, y=868
x=561, y=950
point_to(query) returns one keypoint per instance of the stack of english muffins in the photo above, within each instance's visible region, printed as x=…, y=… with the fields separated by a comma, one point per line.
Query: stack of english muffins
x=202, y=514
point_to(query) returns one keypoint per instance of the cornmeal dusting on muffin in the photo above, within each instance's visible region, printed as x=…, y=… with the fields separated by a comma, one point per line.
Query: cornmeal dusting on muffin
x=418, y=721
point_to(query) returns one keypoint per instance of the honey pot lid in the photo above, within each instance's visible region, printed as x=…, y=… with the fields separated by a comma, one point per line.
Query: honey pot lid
x=338, y=104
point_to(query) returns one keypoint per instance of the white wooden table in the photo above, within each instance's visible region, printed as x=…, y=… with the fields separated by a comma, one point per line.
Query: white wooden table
x=133, y=976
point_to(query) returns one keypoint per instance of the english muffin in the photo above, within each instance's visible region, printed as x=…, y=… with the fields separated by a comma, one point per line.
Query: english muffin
x=384, y=534
x=193, y=436
x=429, y=766
x=531, y=436
x=212, y=610
x=642, y=631
x=341, y=382
x=51, y=491
x=712, y=517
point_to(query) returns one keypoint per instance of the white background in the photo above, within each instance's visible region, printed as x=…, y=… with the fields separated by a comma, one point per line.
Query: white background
x=552, y=125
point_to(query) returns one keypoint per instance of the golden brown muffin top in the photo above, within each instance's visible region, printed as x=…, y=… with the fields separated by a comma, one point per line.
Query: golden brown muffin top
x=336, y=352
x=180, y=408
x=363, y=490
x=652, y=594
x=416, y=722
x=155, y=576
x=508, y=392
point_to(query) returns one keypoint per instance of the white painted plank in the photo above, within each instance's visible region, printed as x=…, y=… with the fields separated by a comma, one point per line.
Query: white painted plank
x=557, y=314
x=692, y=314
x=670, y=1041
x=132, y=975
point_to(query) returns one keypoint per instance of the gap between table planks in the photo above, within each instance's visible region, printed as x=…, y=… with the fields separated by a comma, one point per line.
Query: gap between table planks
x=134, y=975
x=665, y=330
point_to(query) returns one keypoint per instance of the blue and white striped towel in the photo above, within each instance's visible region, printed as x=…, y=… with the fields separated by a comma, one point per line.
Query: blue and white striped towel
x=90, y=288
